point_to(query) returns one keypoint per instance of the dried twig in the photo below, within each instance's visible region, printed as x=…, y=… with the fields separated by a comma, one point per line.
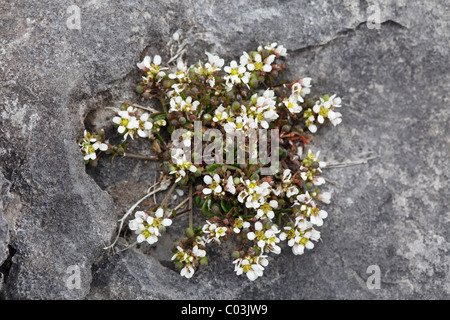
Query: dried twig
x=122, y=220
x=137, y=156
x=349, y=163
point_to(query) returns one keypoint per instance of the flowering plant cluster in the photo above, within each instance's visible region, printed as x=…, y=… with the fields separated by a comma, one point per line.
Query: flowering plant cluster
x=257, y=212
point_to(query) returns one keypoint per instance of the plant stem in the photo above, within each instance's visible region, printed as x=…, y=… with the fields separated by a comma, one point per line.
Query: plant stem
x=137, y=156
x=166, y=199
x=191, y=208
x=228, y=166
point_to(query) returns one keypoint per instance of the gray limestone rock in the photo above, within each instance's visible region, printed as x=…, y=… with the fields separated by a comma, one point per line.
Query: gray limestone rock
x=392, y=212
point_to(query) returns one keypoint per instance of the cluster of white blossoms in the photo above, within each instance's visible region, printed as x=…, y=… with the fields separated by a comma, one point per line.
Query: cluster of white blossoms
x=177, y=103
x=298, y=90
x=325, y=110
x=258, y=113
x=153, y=70
x=189, y=259
x=212, y=232
x=149, y=225
x=251, y=266
x=254, y=193
x=266, y=238
x=89, y=145
x=260, y=213
x=132, y=122
x=300, y=238
x=181, y=166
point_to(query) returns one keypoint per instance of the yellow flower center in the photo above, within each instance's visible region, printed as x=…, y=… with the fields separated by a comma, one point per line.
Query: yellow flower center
x=247, y=268
x=323, y=112
x=124, y=122
x=146, y=233
x=259, y=66
x=303, y=241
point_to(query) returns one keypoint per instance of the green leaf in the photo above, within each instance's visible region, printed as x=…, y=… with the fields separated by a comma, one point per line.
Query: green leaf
x=212, y=167
x=198, y=201
x=159, y=117
x=226, y=207
x=206, y=208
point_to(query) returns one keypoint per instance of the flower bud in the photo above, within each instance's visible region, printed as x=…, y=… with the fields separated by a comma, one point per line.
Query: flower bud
x=235, y=254
x=254, y=83
x=286, y=128
x=207, y=117
x=204, y=262
x=139, y=89
x=178, y=265
x=188, y=232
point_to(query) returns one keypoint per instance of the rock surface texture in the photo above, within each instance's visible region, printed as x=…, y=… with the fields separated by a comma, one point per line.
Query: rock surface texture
x=393, y=212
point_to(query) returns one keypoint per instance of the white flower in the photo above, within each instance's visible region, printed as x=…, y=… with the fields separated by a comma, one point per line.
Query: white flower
x=215, y=62
x=127, y=122
x=265, y=239
x=301, y=89
x=237, y=74
x=254, y=195
x=179, y=104
x=266, y=210
x=187, y=137
x=213, y=185
x=304, y=198
x=182, y=256
x=188, y=271
x=180, y=73
x=182, y=165
x=253, y=267
x=153, y=70
x=230, y=185
x=299, y=240
x=220, y=114
x=89, y=145
x=147, y=225
x=213, y=232
x=145, y=64
x=290, y=190
x=145, y=126
x=198, y=252
x=239, y=224
x=318, y=181
x=257, y=63
x=292, y=105
x=234, y=125
x=325, y=110
x=317, y=218
x=278, y=50
x=324, y=197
